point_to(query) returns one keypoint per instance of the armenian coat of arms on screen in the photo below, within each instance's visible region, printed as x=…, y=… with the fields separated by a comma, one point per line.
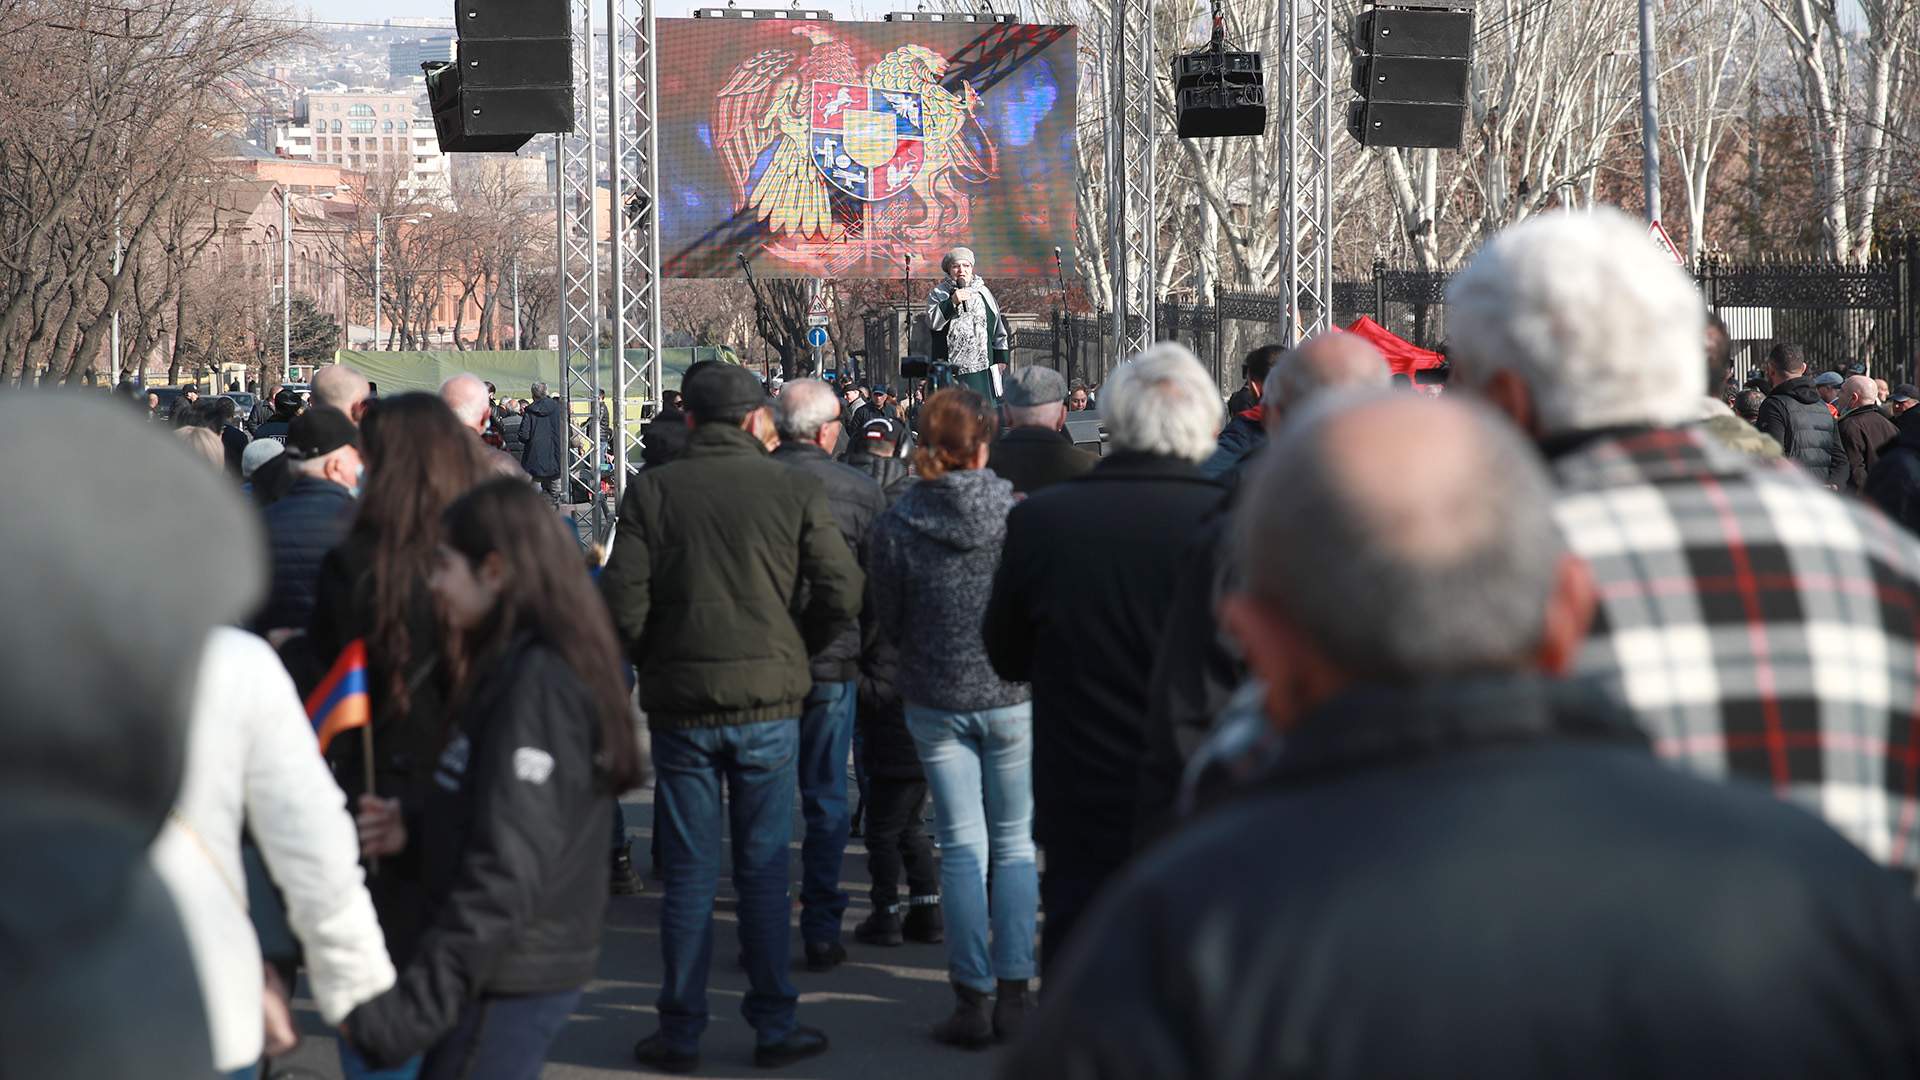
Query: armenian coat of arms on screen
x=868, y=142
x=834, y=158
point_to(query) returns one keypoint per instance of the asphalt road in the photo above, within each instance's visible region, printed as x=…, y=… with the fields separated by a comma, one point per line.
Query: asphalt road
x=877, y=1008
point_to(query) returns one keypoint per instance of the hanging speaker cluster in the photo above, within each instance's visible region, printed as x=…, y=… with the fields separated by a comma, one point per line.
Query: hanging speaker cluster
x=512, y=79
x=1219, y=93
x=1410, y=67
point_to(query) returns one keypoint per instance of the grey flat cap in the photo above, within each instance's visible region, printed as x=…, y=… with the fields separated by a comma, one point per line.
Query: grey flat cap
x=1034, y=385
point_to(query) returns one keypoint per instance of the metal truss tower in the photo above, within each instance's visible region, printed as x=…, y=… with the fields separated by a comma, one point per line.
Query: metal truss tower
x=1131, y=72
x=1307, y=203
x=579, y=270
x=633, y=172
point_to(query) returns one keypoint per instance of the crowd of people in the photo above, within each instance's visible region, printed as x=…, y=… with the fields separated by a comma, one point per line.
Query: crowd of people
x=1561, y=723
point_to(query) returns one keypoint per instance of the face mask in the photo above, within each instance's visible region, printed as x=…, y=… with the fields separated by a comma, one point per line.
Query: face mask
x=359, y=481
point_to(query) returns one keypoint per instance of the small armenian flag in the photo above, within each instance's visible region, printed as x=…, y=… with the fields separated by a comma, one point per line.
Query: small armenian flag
x=340, y=703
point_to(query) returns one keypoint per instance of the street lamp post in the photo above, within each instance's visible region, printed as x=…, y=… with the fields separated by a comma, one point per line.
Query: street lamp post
x=379, y=245
x=286, y=287
x=516, y=302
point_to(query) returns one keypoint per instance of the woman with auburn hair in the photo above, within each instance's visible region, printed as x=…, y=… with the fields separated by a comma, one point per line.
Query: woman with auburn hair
x=931, y=570
x=514, y=831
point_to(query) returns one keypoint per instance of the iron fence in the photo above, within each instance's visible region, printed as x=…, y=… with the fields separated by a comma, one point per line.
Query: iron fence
x=1839, y=313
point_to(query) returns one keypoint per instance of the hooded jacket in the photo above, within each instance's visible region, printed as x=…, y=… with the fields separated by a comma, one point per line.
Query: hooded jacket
x=543, y=430
x=1805, y=428
x=932, y=557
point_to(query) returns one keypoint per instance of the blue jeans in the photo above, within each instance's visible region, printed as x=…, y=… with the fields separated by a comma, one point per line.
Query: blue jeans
x=353, y=1067
x=826, y=729
x=980, y=767
x=756, y=762
x=501, y=1038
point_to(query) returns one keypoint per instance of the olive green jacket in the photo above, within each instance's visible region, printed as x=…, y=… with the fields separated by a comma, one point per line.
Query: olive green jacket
x=727, y=572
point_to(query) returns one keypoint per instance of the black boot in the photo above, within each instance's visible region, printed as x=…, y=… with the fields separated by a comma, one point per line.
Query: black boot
x=879, y=928
x=1010, y=1009
x=969, y=1027
x=625, y=880
x=924, y=925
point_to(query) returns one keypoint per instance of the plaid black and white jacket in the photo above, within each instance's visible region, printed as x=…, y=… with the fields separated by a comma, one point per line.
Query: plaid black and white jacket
x=1759, y=625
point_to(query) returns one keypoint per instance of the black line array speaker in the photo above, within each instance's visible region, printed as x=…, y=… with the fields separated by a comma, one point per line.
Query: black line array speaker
x=1411, y=65
x=512, y=79
x=1218, y=94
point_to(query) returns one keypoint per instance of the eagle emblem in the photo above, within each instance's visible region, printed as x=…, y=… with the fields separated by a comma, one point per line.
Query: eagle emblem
x=821, y=150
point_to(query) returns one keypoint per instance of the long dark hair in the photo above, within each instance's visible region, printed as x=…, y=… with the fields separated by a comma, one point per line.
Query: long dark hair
x=419, y=459
x=552, y=598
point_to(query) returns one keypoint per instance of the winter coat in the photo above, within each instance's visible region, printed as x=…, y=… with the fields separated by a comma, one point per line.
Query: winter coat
x=543, y=430
x=1079, y=607
x=1863, y=433
x=406, y=742
x=1477, y=873
x=886, y=746
x=711, y=557
x=1032, y=458
x=1245, y=433
x=1804, y=427
x=1195, y=672
x=856, y=501
x=251, y=767
x=509, y=425
x=233, y=443
x=891, y=473
x=941, y=311
x=932, y=557
x=1726, y=428
x=664, y=438
x=306, y=523
x=1893, y=484
x=516, y=864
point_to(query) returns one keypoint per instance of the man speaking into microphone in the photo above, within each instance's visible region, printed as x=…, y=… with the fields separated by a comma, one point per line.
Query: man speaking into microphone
x=968, y=331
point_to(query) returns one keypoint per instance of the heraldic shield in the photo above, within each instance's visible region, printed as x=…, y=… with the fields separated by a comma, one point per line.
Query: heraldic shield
x=868, y=142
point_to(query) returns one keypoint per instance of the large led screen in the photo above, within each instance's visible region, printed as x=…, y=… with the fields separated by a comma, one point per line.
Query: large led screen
x=836, y=149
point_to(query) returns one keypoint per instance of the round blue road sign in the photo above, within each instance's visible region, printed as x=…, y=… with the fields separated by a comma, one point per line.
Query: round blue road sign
x=817, y=336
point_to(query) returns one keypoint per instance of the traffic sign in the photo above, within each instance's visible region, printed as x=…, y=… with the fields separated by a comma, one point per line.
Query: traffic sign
x=817, y=337
x=817, y=318
x=1665, y=242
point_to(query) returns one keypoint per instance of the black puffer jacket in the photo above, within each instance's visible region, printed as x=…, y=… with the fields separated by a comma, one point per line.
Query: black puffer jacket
x=933, y=554
x=1476, y=874
x=1803, y=426
x=543, y=430
x=307, y=522
x=856, y=501
x=516, y=866
x=891, y=473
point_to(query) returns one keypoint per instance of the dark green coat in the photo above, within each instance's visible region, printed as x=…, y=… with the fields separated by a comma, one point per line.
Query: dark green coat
x=705, y=583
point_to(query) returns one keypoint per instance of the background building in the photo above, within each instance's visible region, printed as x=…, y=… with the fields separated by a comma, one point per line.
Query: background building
x=405, y=57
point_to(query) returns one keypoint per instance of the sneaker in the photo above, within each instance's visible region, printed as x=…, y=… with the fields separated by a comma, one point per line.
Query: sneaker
x=924, y=925
x=879, y=928
x=805, y=1042
x=625, y=880
x=825, y=957
x=654, y=1052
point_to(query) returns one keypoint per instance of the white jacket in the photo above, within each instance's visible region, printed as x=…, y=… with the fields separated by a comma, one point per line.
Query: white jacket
x=252, y=761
